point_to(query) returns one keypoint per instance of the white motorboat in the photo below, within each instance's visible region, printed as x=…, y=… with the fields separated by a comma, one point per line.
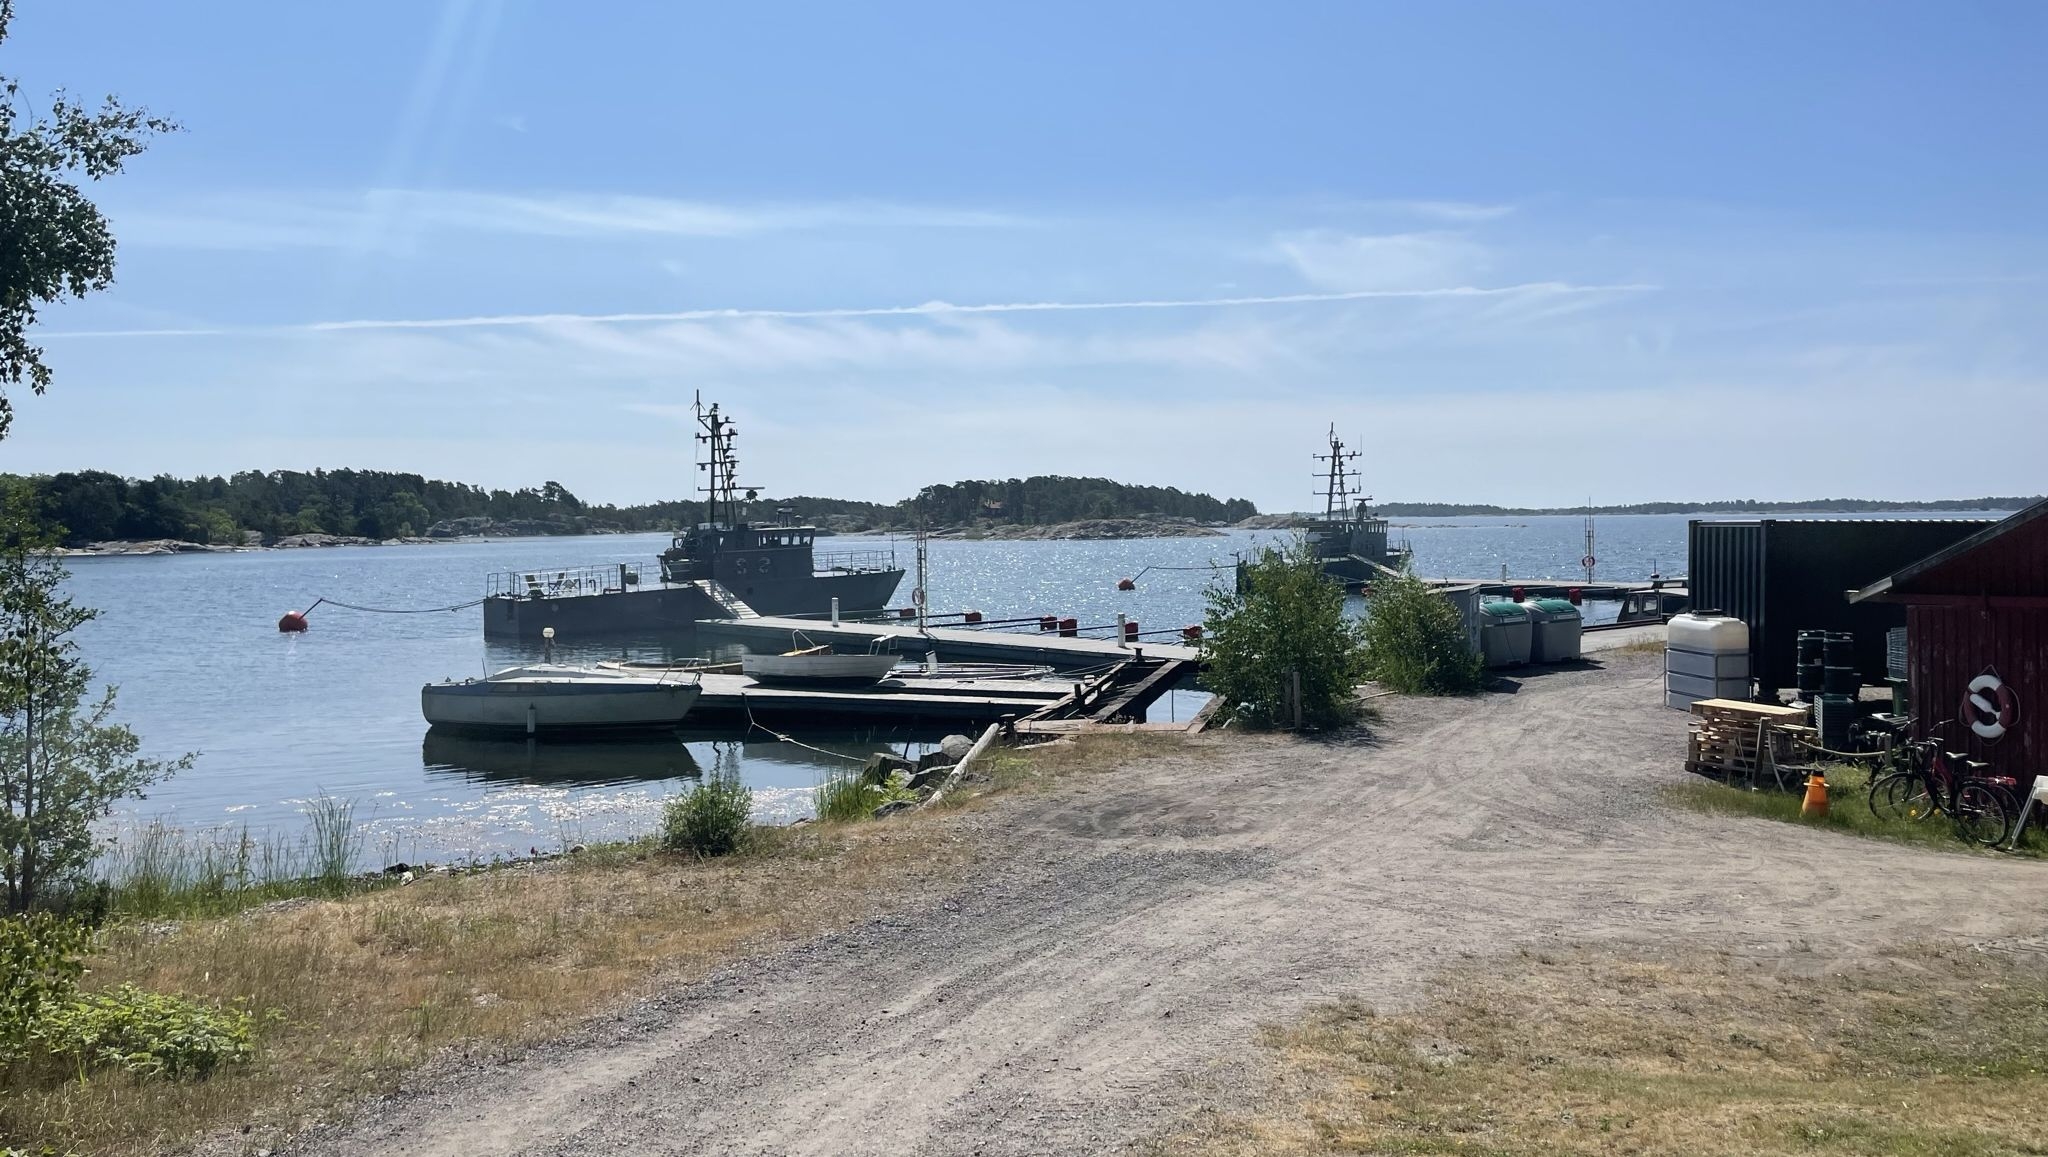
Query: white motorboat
x=557, y=697
x=819, y=667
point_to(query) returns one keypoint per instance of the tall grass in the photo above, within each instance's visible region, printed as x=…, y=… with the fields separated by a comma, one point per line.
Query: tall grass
x=160, y=870
x=845, y=799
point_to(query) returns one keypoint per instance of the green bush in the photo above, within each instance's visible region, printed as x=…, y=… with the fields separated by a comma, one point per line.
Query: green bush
x=1287, y=619
x=146, y=1033
x=713, y=819
x=41, y=959
x=1416, y=640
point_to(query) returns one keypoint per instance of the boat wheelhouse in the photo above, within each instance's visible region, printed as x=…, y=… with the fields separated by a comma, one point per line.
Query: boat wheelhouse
x=1351, y=542
x=724, y=567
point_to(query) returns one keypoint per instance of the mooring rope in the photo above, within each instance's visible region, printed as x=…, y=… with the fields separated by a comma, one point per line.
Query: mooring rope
x=392, y=610
x=752, y=724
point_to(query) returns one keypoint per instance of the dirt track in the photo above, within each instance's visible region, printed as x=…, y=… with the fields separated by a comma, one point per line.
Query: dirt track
x=1108, y=973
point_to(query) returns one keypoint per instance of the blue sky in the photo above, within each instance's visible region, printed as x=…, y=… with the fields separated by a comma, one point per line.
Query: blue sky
x=1518, y=253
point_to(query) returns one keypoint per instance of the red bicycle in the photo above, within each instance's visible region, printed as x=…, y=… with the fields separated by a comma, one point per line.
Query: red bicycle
x=1981, y=806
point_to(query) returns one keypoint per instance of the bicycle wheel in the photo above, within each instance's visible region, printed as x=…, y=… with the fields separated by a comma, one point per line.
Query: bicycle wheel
x=1981, y=817
x=1901, y=796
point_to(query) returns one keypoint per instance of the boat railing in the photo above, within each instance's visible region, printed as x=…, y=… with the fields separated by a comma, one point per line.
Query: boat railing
x=853, y=561
x=569, y=582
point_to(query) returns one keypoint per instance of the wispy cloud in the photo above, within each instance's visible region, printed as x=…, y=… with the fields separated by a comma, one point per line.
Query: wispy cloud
x=1454, y=212
x=927, y=309
x=387, y=217
x=1397, y=262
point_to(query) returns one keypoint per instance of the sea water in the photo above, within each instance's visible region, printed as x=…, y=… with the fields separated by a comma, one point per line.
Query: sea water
x=276, y=720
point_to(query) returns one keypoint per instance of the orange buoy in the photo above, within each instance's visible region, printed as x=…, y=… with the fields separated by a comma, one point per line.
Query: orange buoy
x=1815, y=805
x=1127, y=584
x=292, y=622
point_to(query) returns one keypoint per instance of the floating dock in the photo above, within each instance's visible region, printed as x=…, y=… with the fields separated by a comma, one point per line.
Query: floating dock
x=773, y=633
x=739, y=699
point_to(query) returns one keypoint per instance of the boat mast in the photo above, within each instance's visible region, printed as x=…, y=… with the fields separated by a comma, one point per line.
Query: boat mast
x=721, y=488
x=1341, y=482
x=1590, y=560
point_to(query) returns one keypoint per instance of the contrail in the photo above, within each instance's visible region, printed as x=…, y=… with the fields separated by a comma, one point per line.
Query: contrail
x=928, y=309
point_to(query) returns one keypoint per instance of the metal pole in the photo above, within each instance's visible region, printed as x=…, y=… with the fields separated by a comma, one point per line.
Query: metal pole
x=1121, y=618
x=835, y=610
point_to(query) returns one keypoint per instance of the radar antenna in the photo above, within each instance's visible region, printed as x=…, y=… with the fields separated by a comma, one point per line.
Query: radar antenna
x=721, y=488
x=1340, y=483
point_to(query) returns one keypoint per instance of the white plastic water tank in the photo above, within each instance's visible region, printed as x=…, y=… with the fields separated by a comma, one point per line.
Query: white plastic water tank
x=1707, y=634
x=1705, y=657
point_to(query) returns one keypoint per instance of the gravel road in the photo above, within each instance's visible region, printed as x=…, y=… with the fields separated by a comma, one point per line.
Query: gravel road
x=1106, y=973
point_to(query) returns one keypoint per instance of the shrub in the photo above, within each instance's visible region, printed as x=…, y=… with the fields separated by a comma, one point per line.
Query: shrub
x=1287, y=619
x=1416, y=640
x=713, y=819
x=146, y=1033
x=41, y=959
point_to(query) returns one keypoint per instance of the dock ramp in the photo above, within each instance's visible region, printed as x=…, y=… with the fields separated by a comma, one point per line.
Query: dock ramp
x=734, y=606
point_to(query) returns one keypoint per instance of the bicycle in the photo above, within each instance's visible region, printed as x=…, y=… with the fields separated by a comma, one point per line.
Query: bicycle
x=1981, y=807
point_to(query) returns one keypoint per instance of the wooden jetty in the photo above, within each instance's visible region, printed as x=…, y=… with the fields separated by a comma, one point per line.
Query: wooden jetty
x=1120, y=695
x=776, y=633
x=1561, y=588
x=737, y=699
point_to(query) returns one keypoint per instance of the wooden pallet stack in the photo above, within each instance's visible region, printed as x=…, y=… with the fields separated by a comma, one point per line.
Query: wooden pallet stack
x=1732, y=739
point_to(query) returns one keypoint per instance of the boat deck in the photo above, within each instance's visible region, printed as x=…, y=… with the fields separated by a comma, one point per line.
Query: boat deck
x=775, y=633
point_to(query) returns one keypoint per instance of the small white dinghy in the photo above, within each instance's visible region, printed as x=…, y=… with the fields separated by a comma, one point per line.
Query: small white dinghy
x=819, y=667
x=556, y=697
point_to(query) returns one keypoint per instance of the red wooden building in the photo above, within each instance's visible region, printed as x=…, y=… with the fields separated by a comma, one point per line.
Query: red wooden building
x=1977, y=642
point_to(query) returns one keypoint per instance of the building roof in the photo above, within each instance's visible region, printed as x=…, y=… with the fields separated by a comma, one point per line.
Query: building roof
x=2008, y=559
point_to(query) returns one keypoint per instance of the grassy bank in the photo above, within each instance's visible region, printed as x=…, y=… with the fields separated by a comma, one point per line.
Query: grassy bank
x=1849, y=813
x=1922, y=1052
x=368, y=984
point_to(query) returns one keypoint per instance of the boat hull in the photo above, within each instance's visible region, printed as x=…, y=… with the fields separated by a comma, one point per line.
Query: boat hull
x=676, y=609
x=827, y=670
x=531, y=707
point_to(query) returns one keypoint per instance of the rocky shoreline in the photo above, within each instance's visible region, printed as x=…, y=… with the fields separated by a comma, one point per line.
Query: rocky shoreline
x=1090, y=529
x=161, y=546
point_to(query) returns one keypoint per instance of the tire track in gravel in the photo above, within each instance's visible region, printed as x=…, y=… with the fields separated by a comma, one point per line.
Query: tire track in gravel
x=1106, y=973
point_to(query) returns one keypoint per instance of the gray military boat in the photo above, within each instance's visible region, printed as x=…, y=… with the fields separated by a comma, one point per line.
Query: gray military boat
x=1350, y=541
x=725, y=567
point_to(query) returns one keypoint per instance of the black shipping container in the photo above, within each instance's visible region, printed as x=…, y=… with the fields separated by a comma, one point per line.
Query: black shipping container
x=1786, y=575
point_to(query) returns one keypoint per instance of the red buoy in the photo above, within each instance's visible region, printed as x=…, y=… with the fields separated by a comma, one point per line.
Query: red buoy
x=1126, y=584
x=971, y=617
x=1192, y=634
x=292, y=622
x=1131, y=631
x=1575, y=595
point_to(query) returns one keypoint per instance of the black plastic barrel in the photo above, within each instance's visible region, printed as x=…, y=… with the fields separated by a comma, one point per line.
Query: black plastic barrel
x=1839, y=650
x=1840, y=681
x=1834, y=714
x=1810, y=646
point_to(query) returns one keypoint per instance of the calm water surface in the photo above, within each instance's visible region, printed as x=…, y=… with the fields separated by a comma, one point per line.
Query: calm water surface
x=191, y=640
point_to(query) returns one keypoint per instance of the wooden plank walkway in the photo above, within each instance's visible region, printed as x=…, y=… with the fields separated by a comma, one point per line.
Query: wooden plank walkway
x=728, y=698
x=774, y=633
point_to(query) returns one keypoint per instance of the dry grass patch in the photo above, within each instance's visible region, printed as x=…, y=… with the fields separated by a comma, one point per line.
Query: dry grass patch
x=1046, y=764
x=372, y=985
x=1924, y=1052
